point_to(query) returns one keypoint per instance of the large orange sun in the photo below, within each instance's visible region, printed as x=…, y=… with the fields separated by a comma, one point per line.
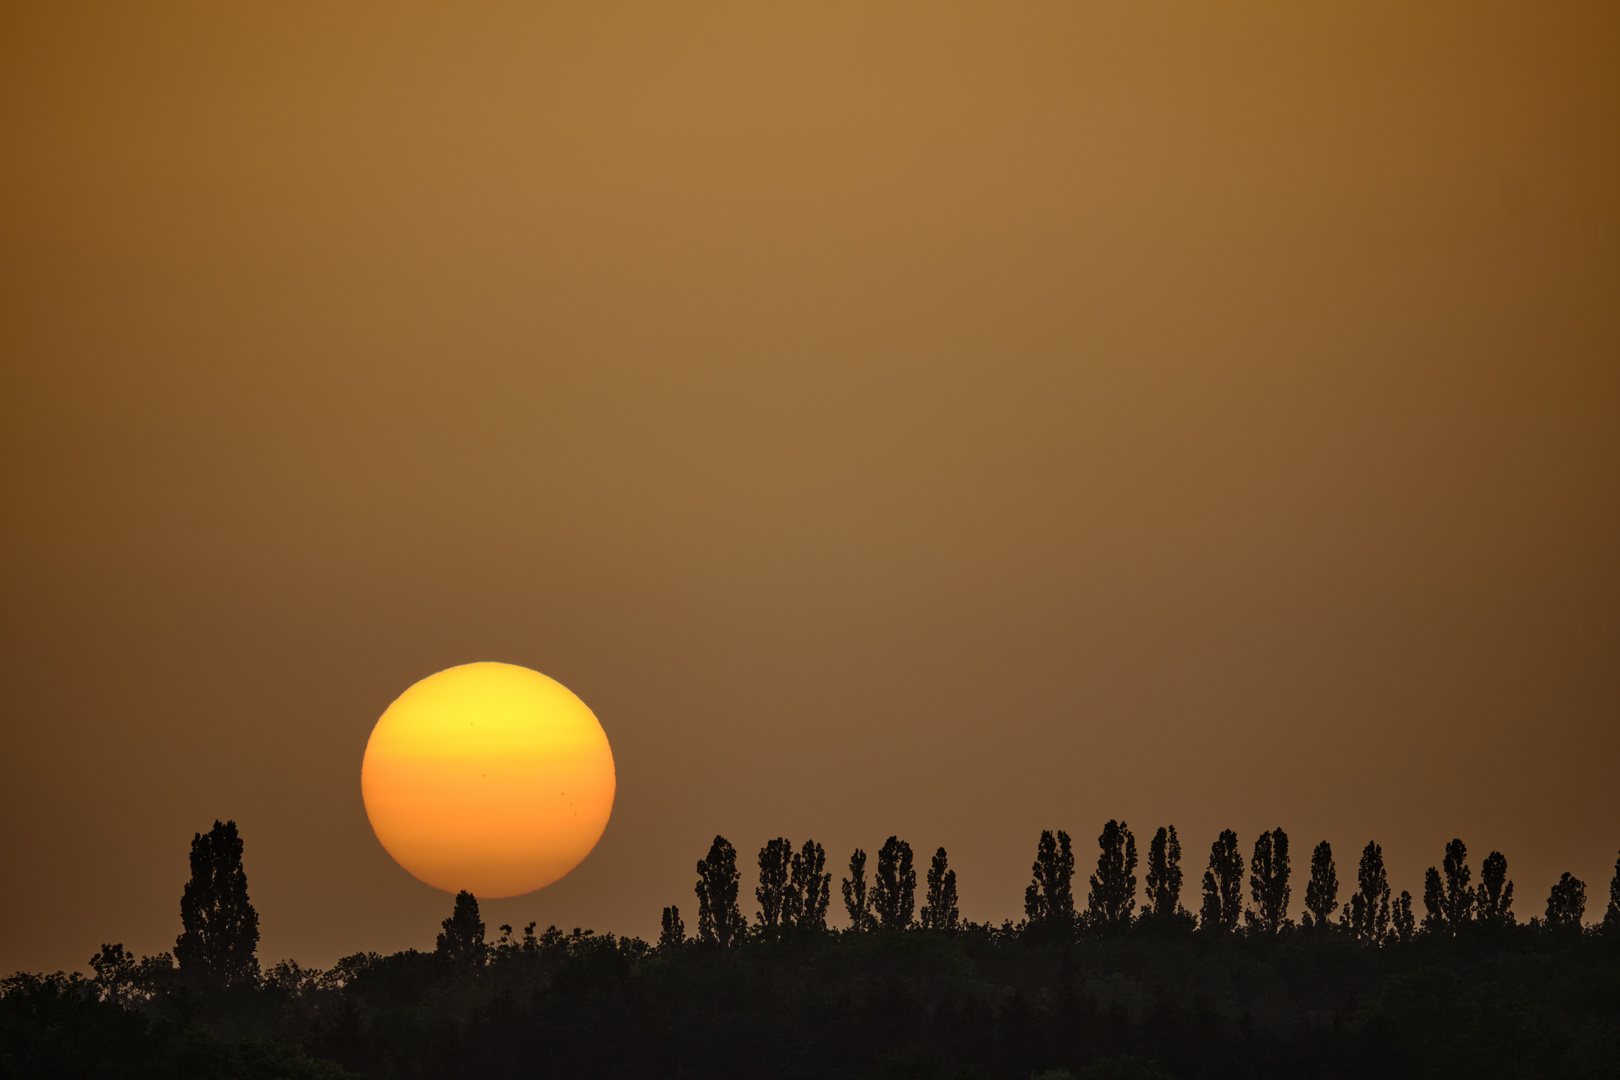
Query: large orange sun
x=490, y=778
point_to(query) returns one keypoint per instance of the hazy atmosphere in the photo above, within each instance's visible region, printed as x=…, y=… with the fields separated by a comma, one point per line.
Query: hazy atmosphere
x=944, y=420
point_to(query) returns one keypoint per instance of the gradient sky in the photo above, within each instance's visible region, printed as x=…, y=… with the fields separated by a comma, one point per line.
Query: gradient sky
x=952, y=420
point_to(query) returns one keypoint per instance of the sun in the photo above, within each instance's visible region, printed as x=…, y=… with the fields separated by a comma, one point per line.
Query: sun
x=490, y=778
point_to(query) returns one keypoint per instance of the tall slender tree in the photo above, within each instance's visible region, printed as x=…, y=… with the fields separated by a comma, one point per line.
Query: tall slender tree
x=855, y=900
x=939, y=912
x=1322, y=893
x=720, y=921
x=1049, y=898
x=775, y=862
x=219, y=935
x=1611, y=915
x=1268, y=884
x=1163, y=880
x=1367, y=914
x=461, y=939
x=1112, y=898
x=1494, y=897
x=1459, y=895
x=1404, y=927
x=672, y=934
x=894, y=886
x=1223, y=885
x=1566, y=904
x=810, y=887
x=1434, y=903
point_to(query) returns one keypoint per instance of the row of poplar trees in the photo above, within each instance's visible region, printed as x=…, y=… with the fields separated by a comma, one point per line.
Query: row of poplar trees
x=795, y=889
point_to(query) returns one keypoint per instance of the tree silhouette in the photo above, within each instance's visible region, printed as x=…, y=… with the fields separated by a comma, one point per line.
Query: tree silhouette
x=1163, y=874
x=1367, y=915
x=1223, y=885
x=1459, y=896
x=672, y=935
x=1112, y=898
x=1049, y=898
x=1405, y=927
x=1434, y=903
x=1322, y=892
x=1494, y=897
x=719, y=919
x=855, y=902
x=116, y=974
x=463, y=937
x=809, y=889
x=1268, y=883
x=939, y=911
x=1611, y=916
x=775, y=860
x=894, y=886
x=220, y=929
x=1566, y=903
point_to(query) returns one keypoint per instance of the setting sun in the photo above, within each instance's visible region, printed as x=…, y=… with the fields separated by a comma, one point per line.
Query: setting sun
x=490, y=778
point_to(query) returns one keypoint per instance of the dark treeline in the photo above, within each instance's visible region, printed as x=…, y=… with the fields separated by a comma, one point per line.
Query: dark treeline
x=1128, y=983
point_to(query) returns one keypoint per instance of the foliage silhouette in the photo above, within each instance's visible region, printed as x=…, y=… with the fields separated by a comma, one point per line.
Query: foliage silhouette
x=773, y=893
x=462, y=938
x=939, y=911
x=1049, y=897
x=1459, y=895
x=1268, y=884
x=1494, y=897
x=220, y=929
x=1322, y=892
x=720, y=922
x=1566, y=903
x=1223, y=886
x=810, y=887
x=672, y=931
x=982, y=1001
x=1366, y=917
x=1112, y=898
x=894, y=886
x=1163, y=880
x=1611, y=915
x=1403, y=925
x=855, y=898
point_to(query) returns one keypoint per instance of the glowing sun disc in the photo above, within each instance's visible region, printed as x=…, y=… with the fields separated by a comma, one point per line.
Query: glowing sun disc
x=488, y=777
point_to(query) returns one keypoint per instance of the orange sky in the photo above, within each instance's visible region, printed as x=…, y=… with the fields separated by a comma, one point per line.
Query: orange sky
x=937, y=419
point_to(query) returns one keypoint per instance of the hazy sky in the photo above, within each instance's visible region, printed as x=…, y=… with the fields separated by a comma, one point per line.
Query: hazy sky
x=952, y=420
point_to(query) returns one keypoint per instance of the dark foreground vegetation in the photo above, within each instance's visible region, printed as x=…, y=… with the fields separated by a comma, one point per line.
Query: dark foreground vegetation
x=1116, y=989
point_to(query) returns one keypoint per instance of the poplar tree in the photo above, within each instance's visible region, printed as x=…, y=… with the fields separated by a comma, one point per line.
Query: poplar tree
x=1402, y=920
x=860, y=914
x=1112, y=898
x=1367, y=914
x=1268, y=883
x=940, y=911
x=1566, y=904
x=1611, y=916
x=719, y=919
x=1434, y=903
x=672, y=935
x=809, y=888
x=894, y=886
x=1049, y=898
x=219, y=934
x=1322, y=893
x=1163, y=880
x=775, y=860
x=1494, y=897
x=1459, y=897
x=1223, y=885
x=462, y=937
